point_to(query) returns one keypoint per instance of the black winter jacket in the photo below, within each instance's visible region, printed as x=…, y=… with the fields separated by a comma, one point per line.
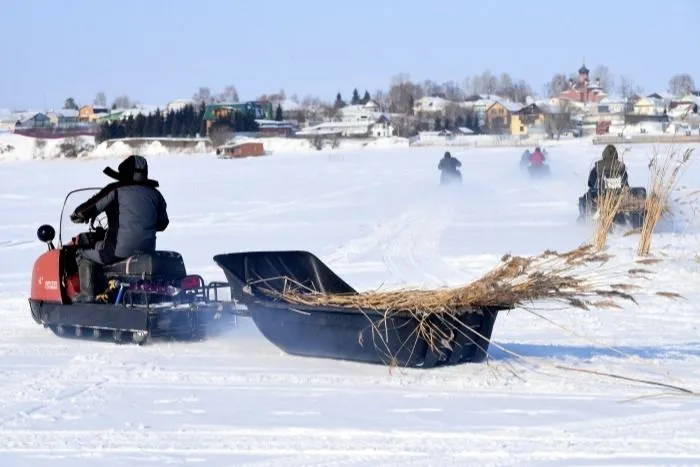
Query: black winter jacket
x=135, y=212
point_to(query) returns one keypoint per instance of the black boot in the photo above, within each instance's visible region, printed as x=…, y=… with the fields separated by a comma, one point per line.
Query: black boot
x=86, y=273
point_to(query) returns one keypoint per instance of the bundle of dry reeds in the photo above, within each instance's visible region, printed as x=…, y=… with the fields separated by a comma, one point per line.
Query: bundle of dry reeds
x=664, y=173
x=575, y=278
x=609, y=205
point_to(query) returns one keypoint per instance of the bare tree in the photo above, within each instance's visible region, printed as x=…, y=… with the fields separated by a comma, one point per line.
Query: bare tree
x=607, y=80
x=275, y=98
x=521, y=91
x=557, y=119
x=122, y=102
x=203, y=94
x=228, y=95
x=558, y=84
x=505, y=87
x=431, y=88
x=627, y=88
x=485, y=83
x=381, y=99
x=680, y=85
x=312, y=106
x=403, y=93
x=452, y=91
x=100, y=99
x=467, y=86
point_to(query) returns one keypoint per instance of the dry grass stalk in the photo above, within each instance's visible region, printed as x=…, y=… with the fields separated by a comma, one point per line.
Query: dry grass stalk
x=576, y=278
x=608, y=207
x=663, y=176
x=516, y=281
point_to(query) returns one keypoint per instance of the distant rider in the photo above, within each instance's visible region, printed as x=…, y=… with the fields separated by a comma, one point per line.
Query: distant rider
x=449, y=164
x=525, y=158
x=607, y=173
x=537, y=157
x=135, y=211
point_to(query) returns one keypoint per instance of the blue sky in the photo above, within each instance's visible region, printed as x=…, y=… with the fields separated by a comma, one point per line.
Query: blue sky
x=158, y=50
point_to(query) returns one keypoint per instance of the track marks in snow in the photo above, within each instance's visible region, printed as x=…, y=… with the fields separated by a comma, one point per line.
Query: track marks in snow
x=409, y=246
x=311, y=447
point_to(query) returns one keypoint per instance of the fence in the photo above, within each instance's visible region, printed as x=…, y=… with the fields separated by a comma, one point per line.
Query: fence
x=646, y=139
x=56, y=132
x=475, y=141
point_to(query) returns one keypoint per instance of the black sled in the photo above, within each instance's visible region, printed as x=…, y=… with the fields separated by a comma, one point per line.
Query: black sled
x=258, y=279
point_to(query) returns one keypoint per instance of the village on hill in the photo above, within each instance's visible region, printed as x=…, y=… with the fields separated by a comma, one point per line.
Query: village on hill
x=582, y=104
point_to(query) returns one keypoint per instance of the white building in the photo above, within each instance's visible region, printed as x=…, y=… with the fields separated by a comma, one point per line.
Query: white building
x=379, y=128
x=430, y=105
x=179, y=104
x=368, y=112
x=649, y=106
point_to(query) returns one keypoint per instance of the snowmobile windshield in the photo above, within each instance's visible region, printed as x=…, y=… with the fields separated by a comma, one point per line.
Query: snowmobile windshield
x=67, y=229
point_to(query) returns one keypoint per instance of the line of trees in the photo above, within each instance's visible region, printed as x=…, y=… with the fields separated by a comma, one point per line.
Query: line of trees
x=186, y=122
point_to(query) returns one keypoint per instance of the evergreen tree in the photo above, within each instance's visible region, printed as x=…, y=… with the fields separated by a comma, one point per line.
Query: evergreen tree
x=438, y=123
x=168, y=124
x=355, y=97
x=158, y=124
x=129, y=124
x=104, y=133
x=366, y=98
x=411, y=103
x=339, y=102
x=139, y=126
x=279, y=116
x=447, y=124
x=70, y=104
x=149, y=126
x=459, y=121
x=176, y=125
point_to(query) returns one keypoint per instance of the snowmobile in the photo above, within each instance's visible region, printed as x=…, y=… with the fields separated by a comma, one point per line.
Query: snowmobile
x=147, y=296
x=634, y=209
x=525, y=160
x=539, y=171
x=151, y=296
x=451, y=177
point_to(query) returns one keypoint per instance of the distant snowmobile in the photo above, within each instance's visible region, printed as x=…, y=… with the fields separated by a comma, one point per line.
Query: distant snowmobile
x=449, y=170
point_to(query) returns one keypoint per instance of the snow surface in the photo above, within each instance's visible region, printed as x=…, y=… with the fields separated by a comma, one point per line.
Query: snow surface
x=379, y=218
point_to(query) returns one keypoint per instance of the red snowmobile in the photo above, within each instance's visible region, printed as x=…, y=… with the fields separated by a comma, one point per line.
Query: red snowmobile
x=144, y=296
x=151, y=296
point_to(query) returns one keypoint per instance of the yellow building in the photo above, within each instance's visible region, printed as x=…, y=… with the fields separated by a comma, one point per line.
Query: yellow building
x=91, y=113
x=525, y=118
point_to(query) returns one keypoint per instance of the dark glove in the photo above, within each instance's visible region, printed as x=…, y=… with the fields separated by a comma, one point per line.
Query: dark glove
x=77, y=218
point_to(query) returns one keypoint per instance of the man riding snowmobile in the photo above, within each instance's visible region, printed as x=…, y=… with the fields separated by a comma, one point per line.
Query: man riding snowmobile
x=537, y=157
x=537, y=167
x=135, y=211
x=608, y=173
x=449, y=167
x=525, y=159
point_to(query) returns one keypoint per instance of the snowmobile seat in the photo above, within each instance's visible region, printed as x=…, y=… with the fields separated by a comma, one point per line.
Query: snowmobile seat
x=159, y=265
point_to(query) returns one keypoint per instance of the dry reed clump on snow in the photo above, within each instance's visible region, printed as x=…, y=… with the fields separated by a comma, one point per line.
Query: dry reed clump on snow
x=664, y=174
x=608, y=207
x=569, y=277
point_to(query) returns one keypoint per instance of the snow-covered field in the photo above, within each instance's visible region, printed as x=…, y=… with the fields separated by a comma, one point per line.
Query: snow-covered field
x=377, y=217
